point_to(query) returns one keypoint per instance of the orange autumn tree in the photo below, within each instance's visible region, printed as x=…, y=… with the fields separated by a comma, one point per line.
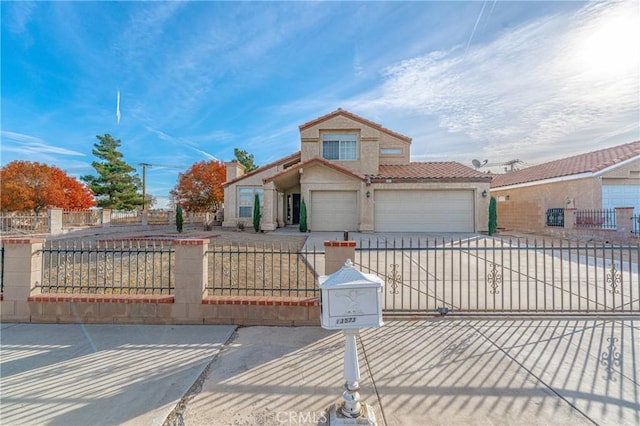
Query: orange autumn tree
x=199, y=189
x=26, y=185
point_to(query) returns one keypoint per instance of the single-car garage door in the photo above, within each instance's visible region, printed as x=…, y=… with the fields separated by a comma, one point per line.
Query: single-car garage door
x=334, y=211
x=424, y=211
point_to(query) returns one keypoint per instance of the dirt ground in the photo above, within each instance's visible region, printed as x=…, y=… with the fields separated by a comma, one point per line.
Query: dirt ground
x=217, y=236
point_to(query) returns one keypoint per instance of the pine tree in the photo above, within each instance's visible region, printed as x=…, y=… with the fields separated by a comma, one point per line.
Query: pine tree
x=303, y=216
x=115, y=187
x=256, y=213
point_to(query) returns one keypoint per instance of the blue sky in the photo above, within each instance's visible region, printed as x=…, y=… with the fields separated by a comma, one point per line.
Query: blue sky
x=491, y=80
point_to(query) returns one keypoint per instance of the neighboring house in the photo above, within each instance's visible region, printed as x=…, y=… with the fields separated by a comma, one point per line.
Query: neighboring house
x=353, y=174
x=597, y=180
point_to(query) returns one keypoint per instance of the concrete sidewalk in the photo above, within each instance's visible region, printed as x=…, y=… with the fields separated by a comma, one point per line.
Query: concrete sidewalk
x=65, y=374
x=429, y=372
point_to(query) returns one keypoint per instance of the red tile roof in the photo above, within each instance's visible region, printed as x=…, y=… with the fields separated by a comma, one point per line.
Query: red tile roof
x=441, y=171
x=591, y=162
x=357, y=118
x=288, y=158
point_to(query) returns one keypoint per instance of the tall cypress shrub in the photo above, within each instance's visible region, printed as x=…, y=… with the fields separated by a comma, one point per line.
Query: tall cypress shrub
x=179, y=219
x=256, y=213
x=303, y=216
x=493, y=216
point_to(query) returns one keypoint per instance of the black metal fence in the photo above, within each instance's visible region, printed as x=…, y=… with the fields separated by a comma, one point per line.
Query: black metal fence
x=504, y=276
x=262, y=271
x=600, y=219
x=1, y=269
x=115, y=267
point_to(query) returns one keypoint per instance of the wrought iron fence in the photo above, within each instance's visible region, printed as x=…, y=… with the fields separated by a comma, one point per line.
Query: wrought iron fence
x=109, y=267
x=555, y=217
x=72, y=218
x=508, y=276
x=601, y=219
x=262, y=271
x=1, y=269
x=24, y=224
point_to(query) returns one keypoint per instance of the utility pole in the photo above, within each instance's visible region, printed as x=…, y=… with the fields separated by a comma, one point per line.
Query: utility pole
x=144, y=184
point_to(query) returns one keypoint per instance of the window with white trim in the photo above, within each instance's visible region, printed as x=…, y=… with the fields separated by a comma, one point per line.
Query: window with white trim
x=246, y=198
x=340, y=146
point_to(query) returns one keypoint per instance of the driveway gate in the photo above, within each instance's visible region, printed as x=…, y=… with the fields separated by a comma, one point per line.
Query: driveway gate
x=486, y=275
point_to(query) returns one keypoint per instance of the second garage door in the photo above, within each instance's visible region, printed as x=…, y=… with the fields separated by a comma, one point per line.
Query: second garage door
x=424, y=211
x=334, y=211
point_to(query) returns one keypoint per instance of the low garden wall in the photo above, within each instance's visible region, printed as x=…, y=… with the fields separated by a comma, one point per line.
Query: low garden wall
x=189, y=303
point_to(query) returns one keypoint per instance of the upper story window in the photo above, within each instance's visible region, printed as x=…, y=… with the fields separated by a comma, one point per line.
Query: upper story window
x=340, y=146
x=391, y=151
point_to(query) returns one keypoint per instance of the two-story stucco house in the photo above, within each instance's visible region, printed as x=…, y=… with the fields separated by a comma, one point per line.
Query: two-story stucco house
x=354, y=174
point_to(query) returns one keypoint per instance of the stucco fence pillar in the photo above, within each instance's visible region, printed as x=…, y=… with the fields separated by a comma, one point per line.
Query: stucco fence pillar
x=22, y=271
x=191, y=277
x=336, y=254
x=105, y=219
x=624, y=222
x=55, y=221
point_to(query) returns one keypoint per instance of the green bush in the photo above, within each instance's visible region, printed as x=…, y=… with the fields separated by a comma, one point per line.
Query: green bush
x=179, y=219
x=256, y=213
x=493, y=216
x=303, y=216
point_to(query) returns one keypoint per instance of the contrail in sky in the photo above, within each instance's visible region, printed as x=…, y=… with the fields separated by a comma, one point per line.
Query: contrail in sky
x=118, y=106
x=484, y=4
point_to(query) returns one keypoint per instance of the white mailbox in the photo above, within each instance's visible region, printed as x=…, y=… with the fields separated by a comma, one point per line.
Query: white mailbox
x=350, y=299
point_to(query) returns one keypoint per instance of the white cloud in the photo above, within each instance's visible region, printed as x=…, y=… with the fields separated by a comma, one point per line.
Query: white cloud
x=18, y=15
x=532, y=87
x=31, y=145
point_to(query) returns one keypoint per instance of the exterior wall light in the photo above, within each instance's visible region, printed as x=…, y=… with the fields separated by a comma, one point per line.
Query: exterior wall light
x=368, y=194
x=484, y=194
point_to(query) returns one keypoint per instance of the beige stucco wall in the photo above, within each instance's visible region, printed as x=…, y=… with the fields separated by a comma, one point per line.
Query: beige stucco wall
x=231, y=218
x=388, y=141
x=524, y=209
x=626, y=174
x=370, y=141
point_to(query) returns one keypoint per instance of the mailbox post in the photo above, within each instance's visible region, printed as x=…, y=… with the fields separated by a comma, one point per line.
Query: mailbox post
x=351, y=300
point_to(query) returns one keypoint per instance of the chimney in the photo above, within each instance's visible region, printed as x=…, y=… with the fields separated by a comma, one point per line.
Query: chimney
x=234, y=169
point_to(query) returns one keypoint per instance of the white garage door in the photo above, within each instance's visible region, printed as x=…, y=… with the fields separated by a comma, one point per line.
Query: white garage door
x=621, y=196
x=334, y=211
x=424, y=211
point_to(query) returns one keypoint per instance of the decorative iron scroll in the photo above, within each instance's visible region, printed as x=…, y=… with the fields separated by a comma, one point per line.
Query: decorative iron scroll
x=614, y=279
x=494, y=278
x=395, y=278
x=611, y=359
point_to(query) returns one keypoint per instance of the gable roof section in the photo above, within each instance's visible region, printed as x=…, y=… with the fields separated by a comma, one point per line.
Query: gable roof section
x=294, y=169
x=357, y=118
x=445, y=171
x=589, y=163
x=289, y=158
